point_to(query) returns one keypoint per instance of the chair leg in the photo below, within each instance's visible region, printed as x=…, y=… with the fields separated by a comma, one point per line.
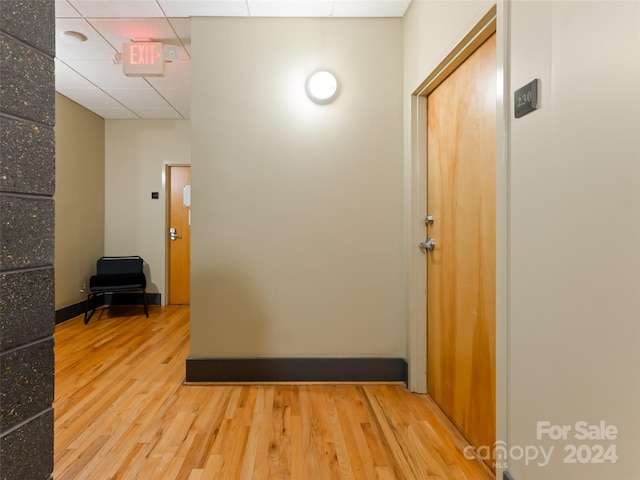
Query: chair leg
x=144, y=301
x=87, y=315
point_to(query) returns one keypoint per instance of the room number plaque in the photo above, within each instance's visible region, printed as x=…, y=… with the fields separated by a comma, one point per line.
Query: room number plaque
x=525, y=99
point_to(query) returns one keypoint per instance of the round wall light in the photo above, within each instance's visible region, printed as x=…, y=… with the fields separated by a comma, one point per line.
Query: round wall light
x=322, y=87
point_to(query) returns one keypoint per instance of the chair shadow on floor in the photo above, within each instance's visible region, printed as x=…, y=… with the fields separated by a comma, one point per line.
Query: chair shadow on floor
x=118, y=311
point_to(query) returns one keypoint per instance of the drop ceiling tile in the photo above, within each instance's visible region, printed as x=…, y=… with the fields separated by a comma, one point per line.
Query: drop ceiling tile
x=115, y=113
x=136, y=98
x=66, y=77
x=64, y=9
x=182, y=27
x=105, y=74
x=95, y=48
x=288, y=8
x=370, y=8
x=180, y=99
x=176, y=75
x=204, y=8
x=157, y=113
x=117, y=8
x=91, y=98
x=118, y=30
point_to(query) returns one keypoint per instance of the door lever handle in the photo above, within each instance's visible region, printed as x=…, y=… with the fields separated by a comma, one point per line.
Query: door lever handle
x=173, y=235
x=429, y=245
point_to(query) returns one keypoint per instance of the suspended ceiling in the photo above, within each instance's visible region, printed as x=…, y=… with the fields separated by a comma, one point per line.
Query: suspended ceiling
x=89, y=73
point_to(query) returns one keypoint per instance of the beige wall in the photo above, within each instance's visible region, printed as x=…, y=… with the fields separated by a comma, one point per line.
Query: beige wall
x=570, y=263
x=137, y=152
x=575, y=232
x=431, y=30
x=297, y=208
x=79, y=199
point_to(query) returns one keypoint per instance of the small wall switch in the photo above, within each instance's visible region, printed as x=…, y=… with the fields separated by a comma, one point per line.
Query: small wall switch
x=155, y=195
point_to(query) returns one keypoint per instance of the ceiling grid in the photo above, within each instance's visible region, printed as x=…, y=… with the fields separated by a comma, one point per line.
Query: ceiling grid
x=89, y=73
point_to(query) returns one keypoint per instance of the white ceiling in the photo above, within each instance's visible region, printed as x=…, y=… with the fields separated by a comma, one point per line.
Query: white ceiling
x=87, y=74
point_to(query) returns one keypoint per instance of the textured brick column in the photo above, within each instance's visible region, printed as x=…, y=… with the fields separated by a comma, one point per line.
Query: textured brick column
x=27, y=180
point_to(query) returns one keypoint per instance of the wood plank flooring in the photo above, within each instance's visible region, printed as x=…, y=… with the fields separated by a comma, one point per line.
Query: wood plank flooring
x=122, y=411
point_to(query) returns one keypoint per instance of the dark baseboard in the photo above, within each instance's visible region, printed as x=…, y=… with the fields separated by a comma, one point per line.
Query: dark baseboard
x=130, y=299
x=507, y=476
x=72, y=311
x=253, y=370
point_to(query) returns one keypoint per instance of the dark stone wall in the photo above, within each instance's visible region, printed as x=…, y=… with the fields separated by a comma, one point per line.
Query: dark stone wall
x=27, y=183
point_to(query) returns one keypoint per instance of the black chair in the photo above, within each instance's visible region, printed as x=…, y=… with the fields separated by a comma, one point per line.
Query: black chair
x=115, y=275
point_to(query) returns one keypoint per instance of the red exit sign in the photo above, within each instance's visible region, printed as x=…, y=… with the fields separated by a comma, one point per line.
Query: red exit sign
x=143, y=59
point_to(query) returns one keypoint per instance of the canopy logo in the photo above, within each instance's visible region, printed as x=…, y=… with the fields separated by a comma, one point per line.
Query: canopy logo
x=593, y=448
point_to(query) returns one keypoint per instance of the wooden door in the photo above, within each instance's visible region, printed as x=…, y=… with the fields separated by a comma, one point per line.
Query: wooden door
x=461, y=152
x=179, y=188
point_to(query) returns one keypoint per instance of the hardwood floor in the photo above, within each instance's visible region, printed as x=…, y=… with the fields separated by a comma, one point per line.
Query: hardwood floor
x=123, y=412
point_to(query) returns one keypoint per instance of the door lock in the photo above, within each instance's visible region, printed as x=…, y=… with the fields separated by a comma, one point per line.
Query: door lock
x=173, y=235
x=429, y=245
x=428, y=220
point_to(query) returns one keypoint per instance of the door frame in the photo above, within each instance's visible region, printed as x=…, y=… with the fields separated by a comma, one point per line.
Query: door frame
x=493, y=20
x=167, y=206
